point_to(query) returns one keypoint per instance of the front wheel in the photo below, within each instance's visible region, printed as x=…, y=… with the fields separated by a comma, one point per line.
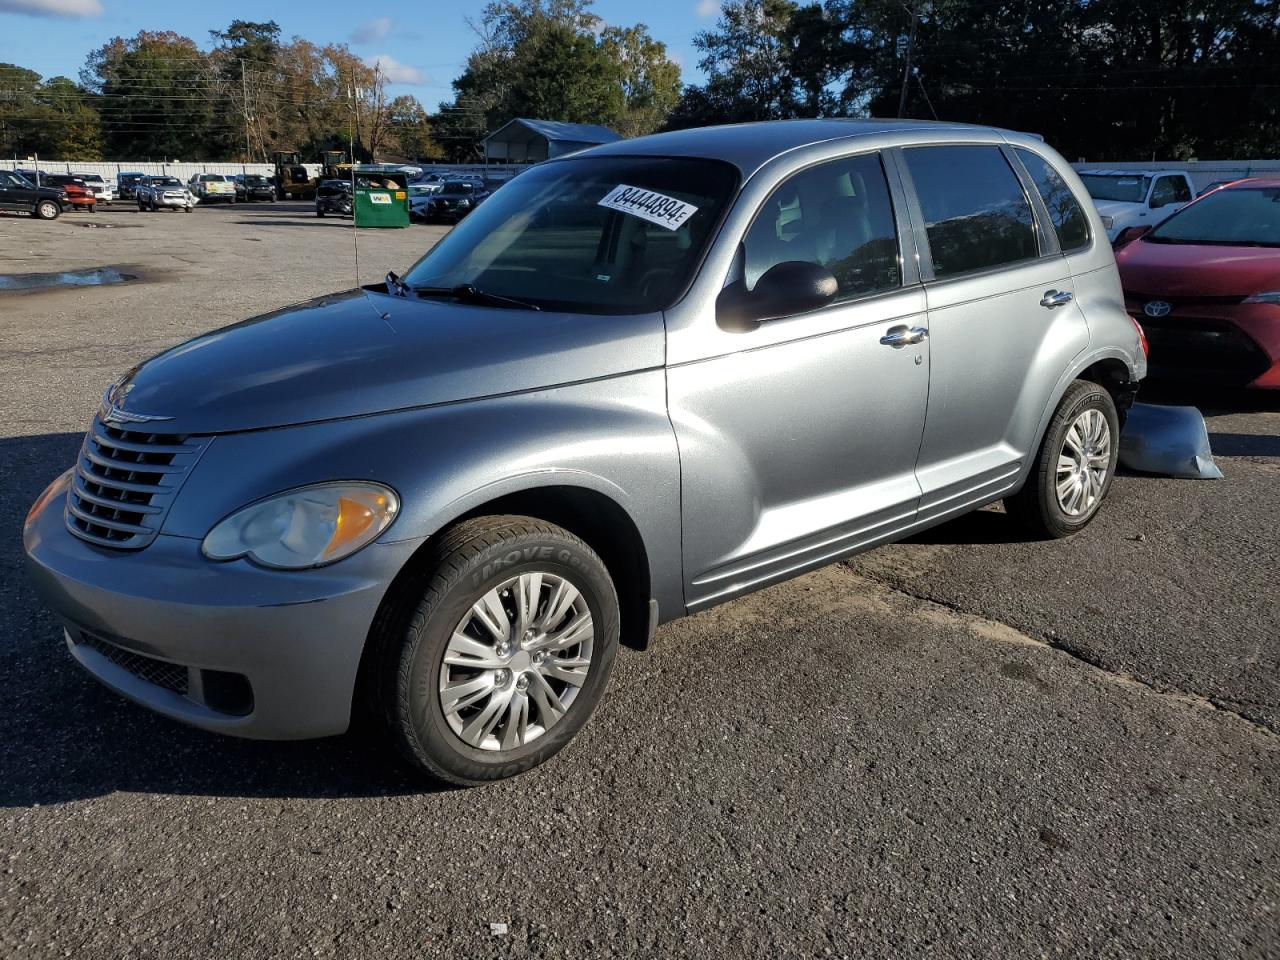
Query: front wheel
x=47, y=210
x=1075, y=465
x=504, y=653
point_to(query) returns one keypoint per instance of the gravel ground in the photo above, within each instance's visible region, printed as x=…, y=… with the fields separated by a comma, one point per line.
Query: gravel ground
x=962, y=745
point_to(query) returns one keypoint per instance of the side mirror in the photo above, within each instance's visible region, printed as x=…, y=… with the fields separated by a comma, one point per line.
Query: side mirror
x=784, y=290
x=1130, y=234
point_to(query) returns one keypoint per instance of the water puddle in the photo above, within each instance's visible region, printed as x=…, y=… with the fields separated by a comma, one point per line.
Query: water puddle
x=96, y=277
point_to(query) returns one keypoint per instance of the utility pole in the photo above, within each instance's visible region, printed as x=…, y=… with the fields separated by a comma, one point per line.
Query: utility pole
x=906, y=70
x=244, y=93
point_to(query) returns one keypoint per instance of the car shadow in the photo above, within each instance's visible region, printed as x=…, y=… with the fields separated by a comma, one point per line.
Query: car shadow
x=66, y=737
x=1244, y=444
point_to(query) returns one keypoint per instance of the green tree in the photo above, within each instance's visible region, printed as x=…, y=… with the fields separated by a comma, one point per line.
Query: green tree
x=54, y=118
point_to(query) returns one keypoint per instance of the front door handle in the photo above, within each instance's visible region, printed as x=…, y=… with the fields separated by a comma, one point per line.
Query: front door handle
x=1057, y=298
x=903, y=336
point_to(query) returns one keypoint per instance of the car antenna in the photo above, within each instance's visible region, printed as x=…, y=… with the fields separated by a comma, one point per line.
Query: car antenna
x=355, y=93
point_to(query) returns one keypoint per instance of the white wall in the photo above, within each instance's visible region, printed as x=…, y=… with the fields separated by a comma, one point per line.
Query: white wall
x=108, y=171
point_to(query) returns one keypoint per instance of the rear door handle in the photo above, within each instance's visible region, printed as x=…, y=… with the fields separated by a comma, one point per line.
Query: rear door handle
x=1057, y=298
x=902, y=336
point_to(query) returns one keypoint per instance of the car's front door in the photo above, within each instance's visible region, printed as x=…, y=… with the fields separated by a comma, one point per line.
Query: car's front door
x=1003, y=323
x=798, y=439
x=15, y=193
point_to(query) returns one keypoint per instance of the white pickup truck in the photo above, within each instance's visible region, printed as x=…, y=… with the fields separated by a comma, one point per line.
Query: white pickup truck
x=1136, y=198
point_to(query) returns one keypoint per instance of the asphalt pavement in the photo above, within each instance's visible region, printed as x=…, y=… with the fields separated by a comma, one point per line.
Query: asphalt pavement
x=965, y=745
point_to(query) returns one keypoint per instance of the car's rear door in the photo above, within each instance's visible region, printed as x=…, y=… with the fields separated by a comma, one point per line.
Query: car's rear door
x=798, y=440
x=1002, y=321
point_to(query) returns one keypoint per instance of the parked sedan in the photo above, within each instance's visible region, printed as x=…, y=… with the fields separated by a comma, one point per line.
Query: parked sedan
x=20, y=195
x=153, y=193
x=1205, y=285
x=78, y=194
x=455, y=199
x=253, y=186
x=333, y=196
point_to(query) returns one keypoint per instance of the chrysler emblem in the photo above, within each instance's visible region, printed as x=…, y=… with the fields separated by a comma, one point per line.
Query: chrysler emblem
x=1157, y=308
x=113, y=413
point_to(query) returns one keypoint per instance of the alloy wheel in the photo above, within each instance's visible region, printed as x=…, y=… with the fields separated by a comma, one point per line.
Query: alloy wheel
x=516, y=661
x=1083, y=463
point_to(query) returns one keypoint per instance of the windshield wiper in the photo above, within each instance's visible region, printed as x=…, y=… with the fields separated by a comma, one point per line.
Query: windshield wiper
x=396, y=284
x=470, y=293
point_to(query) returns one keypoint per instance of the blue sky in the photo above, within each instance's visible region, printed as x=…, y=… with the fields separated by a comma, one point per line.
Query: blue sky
x=422, y=45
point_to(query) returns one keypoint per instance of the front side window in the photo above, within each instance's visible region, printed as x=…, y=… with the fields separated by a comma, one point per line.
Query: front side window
x=975, y=213
x=1170, y=190
x=1069, y=220
x=837, y=214
x=597, y=235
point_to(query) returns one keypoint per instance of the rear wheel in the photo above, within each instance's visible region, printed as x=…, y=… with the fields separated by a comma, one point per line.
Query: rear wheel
x=48, y=210
x=504, y=653
x=1074, y=467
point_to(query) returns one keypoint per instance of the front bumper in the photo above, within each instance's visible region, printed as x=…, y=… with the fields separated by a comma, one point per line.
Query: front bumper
x=174, y=202
x=1229, y=344
x=190, y=638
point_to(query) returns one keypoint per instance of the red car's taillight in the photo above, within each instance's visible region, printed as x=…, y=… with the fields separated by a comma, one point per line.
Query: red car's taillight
x=1142, y=336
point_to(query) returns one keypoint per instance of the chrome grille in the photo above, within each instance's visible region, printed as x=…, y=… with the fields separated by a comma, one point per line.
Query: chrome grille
x=125, y=481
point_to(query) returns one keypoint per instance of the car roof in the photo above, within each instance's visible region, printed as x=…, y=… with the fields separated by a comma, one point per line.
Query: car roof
x=749, y=146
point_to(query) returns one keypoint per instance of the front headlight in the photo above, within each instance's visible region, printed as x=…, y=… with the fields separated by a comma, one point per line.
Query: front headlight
x=464, y=203
x=306, y=527
x=1271, y=296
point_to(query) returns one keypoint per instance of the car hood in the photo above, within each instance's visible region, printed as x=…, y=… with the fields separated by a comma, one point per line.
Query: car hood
x=361, y=352
x=1197, y=270
x=1115, y=208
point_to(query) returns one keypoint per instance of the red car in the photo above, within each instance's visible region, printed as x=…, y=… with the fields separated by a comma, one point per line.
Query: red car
x=79, y=194
x=1205, y=285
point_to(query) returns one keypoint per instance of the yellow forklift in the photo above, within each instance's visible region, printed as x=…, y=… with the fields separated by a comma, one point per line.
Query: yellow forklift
x=293, y=179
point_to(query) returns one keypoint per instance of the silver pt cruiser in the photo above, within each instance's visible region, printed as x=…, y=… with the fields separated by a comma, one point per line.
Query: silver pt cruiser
x=635, y=383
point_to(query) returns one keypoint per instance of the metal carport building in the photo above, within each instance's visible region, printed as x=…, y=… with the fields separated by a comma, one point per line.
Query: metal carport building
x=531, y=141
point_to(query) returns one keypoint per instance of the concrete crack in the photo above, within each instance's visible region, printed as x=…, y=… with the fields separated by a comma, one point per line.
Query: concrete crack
x=1001, y=632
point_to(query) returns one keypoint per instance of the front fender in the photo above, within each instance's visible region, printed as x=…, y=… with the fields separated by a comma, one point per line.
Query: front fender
x=610, y=436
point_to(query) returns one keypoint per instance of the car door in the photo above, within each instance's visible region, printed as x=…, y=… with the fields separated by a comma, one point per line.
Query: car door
x=798, y=439
x=1002, y=321
x=12, y=193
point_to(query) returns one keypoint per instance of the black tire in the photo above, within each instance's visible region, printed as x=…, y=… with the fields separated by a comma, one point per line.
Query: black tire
x=47, y=210
x=319, y=213
x=413, y=632
x=1036, y=507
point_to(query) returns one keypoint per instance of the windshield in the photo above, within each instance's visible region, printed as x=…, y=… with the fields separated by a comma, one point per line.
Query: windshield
x=254, y=181
x=166, y=182
x=1109, y=186
x=89, y=177
x=457, y=188
x=590, y=235
x=1238, y=217
x=14, y=179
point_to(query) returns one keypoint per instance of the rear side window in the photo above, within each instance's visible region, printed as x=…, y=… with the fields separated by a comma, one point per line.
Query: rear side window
x=838, y=214
x=1069, y=220
x=975, y=213
x=1170, y=190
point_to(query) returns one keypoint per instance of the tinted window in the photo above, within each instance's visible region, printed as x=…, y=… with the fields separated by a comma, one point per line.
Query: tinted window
x=975, y=212
x=1170, y=190
x=1122, y=187
x=837, y=214
x=1069, y=220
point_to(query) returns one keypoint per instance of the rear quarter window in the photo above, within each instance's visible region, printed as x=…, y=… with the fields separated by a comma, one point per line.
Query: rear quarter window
x=1068, y=217
x=975, y=213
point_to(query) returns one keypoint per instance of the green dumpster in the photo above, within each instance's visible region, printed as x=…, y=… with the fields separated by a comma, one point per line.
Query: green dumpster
x=382, y=198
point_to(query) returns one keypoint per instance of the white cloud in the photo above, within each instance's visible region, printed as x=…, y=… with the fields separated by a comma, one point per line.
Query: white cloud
x=52, y=8
x=708, y=8
x=369, y=32
x=394, y=70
